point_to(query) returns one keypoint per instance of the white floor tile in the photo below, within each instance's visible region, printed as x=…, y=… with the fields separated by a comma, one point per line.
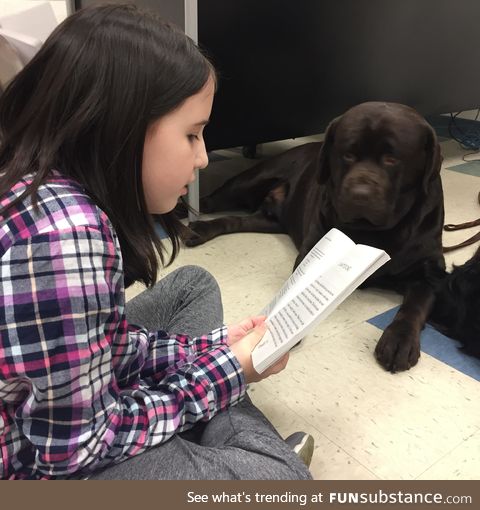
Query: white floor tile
x=462, y=463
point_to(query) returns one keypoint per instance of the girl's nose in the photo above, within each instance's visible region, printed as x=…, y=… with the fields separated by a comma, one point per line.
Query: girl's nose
x=202, y=157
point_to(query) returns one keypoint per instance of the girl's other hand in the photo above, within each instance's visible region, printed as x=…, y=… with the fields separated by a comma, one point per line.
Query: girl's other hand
x=242, y=349
x=238, y=331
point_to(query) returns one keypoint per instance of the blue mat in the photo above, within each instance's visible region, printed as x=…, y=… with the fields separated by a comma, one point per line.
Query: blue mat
x=469, y=167
x=437, y=345
x=160, y=232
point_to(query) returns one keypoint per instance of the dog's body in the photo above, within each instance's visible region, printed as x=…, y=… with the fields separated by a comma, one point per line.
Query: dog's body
x=457, y=305
x=376, y=177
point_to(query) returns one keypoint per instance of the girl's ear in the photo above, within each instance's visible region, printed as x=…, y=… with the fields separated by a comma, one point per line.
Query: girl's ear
x=324, y=156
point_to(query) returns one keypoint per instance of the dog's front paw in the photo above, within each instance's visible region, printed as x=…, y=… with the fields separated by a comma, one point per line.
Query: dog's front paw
x=399, y=347
x=198, y=233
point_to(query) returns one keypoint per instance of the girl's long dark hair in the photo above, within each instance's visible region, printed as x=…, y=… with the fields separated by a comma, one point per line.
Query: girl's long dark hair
x=82, y=106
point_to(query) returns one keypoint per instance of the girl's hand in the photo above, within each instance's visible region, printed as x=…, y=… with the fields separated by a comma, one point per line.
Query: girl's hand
x=238, y=331
x=242, y=349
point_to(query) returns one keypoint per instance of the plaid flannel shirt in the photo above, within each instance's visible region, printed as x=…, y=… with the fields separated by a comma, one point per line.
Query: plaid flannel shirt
x=80, y=388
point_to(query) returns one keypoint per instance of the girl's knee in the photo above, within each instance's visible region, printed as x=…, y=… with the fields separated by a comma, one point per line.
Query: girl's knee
x=198, y=276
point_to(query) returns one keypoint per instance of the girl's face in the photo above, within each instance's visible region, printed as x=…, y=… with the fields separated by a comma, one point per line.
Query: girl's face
x=173, y=149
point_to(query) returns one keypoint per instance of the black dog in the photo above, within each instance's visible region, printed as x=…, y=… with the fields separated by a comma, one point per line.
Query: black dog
x=376, y=177
x=457, y=306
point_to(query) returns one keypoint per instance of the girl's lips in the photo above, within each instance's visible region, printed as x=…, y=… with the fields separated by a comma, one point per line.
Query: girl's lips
x=184, y=190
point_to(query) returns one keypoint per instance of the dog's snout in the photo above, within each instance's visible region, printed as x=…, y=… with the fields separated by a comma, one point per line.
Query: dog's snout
x=361, y=187
x=361, y=192
x=363, y=196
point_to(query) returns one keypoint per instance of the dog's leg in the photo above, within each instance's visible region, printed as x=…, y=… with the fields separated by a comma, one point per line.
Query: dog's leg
x=266, y=220
x=248, y=189
x=399, y=347
x=304, y=250
x=246, y=192
x=203, y=231
x=314, y=233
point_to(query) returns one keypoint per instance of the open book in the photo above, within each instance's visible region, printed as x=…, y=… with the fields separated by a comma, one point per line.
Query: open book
x=330, y=272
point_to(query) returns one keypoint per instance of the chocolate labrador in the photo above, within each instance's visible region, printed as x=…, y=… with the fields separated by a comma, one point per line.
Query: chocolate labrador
x=376, y=177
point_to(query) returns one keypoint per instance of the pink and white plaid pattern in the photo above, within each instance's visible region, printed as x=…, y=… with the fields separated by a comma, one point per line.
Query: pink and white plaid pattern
x=80, y=388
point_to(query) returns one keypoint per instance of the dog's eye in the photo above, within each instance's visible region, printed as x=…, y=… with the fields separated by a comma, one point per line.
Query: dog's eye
x=389, y=160
x=348, y=157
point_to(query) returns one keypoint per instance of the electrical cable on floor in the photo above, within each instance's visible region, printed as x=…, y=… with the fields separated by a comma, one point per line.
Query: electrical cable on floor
x=467, y=136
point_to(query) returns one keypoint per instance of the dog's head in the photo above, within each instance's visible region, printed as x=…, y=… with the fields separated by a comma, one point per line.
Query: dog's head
x=378, y=159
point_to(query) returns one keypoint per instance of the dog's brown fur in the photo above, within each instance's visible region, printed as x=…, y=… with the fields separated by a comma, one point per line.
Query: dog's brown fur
x=376, y=177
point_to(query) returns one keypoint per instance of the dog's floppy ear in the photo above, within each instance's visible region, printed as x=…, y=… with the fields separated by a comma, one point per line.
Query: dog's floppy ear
x=323, y=163
x=433, y=162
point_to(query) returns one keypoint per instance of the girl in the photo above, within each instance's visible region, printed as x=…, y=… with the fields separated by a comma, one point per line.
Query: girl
x=102, y=129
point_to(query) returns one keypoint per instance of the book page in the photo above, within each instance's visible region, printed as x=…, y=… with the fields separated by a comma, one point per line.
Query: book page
x=331, y=247
x=315, y=302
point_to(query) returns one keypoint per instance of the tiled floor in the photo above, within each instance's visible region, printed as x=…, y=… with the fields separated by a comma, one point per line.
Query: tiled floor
x=367, y=423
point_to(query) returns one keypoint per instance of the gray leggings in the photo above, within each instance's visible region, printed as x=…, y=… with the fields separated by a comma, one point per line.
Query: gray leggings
x=238, y=443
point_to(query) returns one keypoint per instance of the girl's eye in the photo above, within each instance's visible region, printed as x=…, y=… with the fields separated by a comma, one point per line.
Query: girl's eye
x=349, y=157
x=192, y=137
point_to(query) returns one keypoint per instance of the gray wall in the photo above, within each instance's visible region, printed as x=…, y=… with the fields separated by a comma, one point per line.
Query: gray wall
x=172, y=10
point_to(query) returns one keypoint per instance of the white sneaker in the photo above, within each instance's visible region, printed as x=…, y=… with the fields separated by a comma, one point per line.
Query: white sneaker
x=303, y=445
